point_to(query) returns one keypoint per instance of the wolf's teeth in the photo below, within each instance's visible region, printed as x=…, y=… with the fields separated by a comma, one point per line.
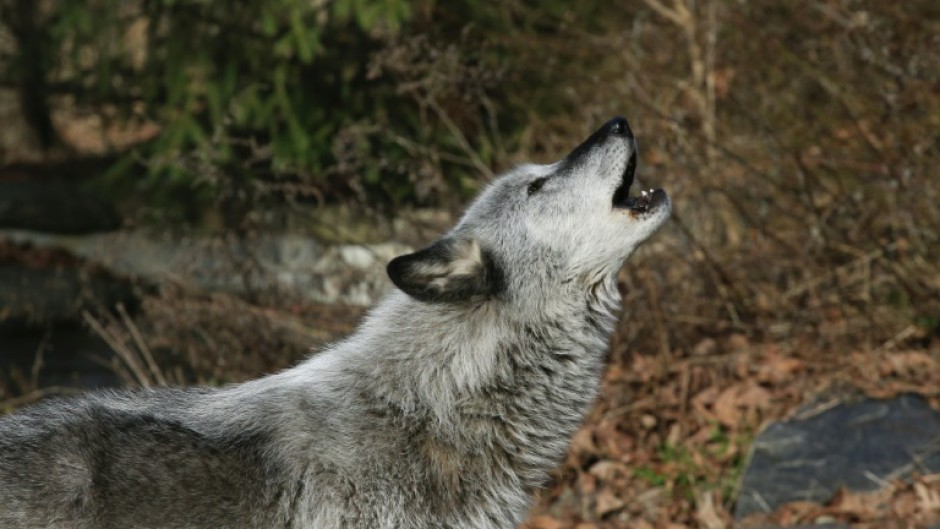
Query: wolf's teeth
x=644, y=193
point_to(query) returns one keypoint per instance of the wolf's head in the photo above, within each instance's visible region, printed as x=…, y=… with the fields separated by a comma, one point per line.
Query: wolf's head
x=539, y=227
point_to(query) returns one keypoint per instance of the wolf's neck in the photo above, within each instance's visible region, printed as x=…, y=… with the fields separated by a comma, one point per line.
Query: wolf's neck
x=517, y=384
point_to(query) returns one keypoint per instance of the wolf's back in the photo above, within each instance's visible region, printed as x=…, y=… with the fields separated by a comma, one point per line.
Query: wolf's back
x=86, y=464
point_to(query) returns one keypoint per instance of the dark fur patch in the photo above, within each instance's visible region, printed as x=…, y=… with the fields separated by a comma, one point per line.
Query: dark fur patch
x=444, y=272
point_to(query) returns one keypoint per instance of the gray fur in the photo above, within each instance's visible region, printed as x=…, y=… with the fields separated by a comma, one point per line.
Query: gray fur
x=447, y=408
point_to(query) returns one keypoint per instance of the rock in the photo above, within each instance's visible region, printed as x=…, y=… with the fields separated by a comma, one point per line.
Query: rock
x=289, y=267
x=54, y=207
x=44, y=286
x=859, y=446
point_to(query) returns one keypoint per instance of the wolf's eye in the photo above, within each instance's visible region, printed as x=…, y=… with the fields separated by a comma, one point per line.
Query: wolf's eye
x=536, y=185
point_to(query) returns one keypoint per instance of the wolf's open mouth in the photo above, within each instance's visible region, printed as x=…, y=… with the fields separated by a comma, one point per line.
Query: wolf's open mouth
x=647, y=200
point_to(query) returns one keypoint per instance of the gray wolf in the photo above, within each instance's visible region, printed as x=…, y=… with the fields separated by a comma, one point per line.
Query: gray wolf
x=447, y=408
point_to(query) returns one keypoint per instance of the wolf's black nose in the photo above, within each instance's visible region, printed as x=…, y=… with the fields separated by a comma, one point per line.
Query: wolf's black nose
x=620, y=127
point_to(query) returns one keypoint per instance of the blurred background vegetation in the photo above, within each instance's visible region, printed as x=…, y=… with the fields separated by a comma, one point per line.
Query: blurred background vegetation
x=798, y=139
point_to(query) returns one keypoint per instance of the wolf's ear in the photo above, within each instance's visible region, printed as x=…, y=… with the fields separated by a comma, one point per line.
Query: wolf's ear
x=448, y=270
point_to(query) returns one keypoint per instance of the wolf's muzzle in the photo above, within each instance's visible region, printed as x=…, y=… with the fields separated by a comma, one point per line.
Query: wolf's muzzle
x=616, y=127
x=619, y=127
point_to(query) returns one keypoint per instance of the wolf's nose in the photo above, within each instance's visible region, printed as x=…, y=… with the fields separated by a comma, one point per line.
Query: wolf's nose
x=620, y=127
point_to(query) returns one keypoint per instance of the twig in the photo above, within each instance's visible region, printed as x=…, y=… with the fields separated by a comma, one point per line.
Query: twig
x=38, y=359
x=818, y=280
x=627, y=408
x=761, y=501
x=671, y=14
x=142, y=346
x=461, y=139
x=119, y=349
x=917, y=460
x=896, y=339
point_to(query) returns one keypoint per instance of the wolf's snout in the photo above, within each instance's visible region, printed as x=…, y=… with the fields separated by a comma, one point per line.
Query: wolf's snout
x=619, y=127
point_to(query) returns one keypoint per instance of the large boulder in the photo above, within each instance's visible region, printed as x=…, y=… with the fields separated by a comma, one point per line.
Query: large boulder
x=859, y=446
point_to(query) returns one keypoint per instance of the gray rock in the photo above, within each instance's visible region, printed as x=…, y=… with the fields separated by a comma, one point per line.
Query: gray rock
x=859, y=446
x=54, y=207
x=55, y=294
x=290, y=267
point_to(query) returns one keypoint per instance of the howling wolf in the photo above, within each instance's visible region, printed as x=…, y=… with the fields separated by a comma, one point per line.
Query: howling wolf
x=447, y=408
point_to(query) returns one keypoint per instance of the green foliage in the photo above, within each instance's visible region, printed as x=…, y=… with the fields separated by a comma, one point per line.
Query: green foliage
x=650, y=476
x=403, y=102
x=930, y=324
x=240, y=89
x=715, y=466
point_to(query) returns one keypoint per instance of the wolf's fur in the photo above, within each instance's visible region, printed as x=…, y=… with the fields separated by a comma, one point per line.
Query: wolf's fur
x=446, y=409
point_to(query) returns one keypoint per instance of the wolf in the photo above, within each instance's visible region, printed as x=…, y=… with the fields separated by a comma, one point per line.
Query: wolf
x=447, y=408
